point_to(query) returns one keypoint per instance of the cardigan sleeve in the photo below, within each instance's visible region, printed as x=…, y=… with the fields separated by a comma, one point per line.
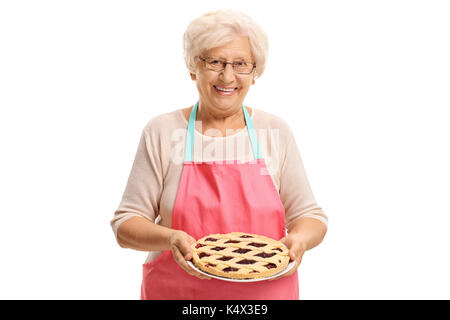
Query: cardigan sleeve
x=295, y=191
x=145, y=182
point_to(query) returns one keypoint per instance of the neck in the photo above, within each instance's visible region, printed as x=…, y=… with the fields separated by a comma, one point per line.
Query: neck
x=209, y=114
x=220, y=120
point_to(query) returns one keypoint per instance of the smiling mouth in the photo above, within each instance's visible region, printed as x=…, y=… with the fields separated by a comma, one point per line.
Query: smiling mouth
x=225, y=90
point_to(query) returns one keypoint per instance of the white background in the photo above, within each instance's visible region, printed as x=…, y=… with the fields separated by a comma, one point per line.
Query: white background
x=363, y=84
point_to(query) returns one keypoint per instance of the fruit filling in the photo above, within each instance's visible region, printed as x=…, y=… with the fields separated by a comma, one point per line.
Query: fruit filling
x=232, y=241
x=242, y=250
x=258, y=245
x=203, y=254
x=224, y=258
x=270, y=265
x=199, y=245
x=229, y=269
x=218, y=248
x=211, y=239
x=246, y=261
x=265, y=255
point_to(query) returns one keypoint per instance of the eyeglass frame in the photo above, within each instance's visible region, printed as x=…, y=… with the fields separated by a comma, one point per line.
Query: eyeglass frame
x=224, y=64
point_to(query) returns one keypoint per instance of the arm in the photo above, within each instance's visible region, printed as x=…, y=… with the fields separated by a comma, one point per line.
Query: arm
x=305, y=220
x=139, y=233
x=304, y=234
x=133, y=221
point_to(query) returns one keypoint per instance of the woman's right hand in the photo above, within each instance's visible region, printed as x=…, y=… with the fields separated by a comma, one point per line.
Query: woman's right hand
x=181, y=246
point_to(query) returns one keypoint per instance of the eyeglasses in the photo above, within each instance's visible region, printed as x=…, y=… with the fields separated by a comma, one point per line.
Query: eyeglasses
x=239, y=66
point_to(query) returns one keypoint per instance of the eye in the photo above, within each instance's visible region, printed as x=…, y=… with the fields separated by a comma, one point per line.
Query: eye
x=240, y=63
x=215, y=62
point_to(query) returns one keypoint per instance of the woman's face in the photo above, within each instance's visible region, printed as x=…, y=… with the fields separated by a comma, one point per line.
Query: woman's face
x=210, y=82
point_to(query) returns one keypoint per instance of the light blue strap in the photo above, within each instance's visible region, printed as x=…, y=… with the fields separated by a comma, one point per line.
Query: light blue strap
x=252, y=134
x=189, y=149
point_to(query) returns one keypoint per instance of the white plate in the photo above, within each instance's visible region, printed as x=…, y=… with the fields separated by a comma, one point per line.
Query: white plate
x=289, y=267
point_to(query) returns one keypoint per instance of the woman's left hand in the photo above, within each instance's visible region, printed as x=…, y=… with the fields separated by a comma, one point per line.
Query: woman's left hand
x=297, y=248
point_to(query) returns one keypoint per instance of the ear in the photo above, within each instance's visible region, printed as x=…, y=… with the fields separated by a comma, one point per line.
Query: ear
x=193, y=76
x=253, y=81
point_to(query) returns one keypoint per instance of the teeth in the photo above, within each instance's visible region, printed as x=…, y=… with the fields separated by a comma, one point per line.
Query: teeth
x=223, y=89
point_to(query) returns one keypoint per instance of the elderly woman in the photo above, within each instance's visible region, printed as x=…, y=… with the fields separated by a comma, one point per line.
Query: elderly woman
x=168, y=204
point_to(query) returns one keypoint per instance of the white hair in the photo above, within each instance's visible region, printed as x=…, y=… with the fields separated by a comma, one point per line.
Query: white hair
x=214, y=29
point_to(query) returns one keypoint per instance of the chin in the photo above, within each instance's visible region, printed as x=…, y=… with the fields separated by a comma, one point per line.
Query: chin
x=227, y=105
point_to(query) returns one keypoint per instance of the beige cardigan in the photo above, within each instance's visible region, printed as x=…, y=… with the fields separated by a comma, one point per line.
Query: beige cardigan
x=153, y=182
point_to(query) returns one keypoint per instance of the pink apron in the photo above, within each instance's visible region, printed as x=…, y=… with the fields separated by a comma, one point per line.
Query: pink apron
x=220, y=197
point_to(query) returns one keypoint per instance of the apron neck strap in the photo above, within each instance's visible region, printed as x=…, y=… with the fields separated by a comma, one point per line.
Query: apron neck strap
x=189, y=150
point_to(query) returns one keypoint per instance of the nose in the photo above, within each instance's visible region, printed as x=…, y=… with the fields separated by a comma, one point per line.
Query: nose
x=228, y=73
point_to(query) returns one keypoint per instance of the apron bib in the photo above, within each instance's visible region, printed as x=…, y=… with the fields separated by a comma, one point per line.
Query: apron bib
x=220, y=197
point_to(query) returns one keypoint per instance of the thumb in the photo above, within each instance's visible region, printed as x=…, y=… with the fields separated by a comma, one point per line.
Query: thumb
x=188, y=255
x=291, y=248
x=294, y=252
x=186, y=248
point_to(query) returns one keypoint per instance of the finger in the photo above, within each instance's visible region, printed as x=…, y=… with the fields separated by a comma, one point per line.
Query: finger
x=180, y=260
x=186, y=247
x=183, y=264
x=296, y=252
x=293, y=255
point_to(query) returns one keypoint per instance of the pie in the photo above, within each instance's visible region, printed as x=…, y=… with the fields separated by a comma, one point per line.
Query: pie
x=239, y=255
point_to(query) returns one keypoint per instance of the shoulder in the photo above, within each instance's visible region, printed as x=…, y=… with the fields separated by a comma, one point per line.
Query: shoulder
x=263, y=120
x=165, y=123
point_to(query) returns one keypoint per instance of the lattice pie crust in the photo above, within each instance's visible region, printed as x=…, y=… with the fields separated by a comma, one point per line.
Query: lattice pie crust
x=240, y=255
